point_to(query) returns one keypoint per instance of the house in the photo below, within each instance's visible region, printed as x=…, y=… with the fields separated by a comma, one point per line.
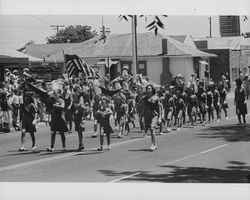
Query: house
x=13, y=59
x=233, y=55
x=160, y=57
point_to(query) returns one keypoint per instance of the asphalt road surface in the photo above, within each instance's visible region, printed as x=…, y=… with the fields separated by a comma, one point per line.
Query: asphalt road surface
x=215, y=153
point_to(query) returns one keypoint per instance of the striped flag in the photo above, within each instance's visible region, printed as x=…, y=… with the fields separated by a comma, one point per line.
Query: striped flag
x=75, y=65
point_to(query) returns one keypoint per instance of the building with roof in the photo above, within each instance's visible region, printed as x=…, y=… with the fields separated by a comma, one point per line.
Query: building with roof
x=160, y=57
x=233, y=55
x=13, y=59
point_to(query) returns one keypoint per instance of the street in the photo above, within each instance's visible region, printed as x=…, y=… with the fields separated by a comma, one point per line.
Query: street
x=215, y=153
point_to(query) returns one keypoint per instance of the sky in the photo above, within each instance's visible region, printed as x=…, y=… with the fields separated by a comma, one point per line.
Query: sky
x=18, y=26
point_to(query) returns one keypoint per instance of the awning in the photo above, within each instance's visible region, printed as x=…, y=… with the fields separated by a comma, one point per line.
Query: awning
x=12, y=56
x=203, y=62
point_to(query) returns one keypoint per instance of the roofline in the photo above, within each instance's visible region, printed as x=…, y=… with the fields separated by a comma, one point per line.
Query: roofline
x=153, y=56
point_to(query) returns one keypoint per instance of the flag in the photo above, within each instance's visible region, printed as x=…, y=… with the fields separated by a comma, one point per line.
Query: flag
x=74, y=65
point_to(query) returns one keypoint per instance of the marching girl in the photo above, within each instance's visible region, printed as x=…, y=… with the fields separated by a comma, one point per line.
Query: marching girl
x=57, y=123
x=223, y=99
x=96, y=106
x=152, y=113
x=210, y=103
x=184, y=97
x=103, y=115
x=216, y=96
x=240, y=102
x=29, y=116
x=131, y=114
x=192, y=105
x=202, y=103
x=78, y=111
x=168, y=106
x=121, y=110
x=68, y=100
x=180, y=106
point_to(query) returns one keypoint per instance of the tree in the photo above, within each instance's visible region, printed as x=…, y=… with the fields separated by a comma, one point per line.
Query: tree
x=155, y=24
x=72, y=34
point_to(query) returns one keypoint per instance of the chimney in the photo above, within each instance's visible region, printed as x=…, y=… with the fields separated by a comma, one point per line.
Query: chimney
x=166, y=76
x=164, y=43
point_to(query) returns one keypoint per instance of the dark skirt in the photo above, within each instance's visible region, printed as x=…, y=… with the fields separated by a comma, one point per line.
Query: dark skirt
x=150, y=121
x=77, y=120
x=27, y=124
x=68, y=115
x=241, y=108
x=105, y=124
x=58, y=123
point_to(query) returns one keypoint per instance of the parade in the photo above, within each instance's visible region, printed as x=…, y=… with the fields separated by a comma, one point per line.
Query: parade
x=124, y=99
x=113, y=107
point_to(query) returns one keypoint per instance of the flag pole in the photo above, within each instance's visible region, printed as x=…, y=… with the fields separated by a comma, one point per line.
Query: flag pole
x=134, y=47
x=108, y=69
x=66, y=69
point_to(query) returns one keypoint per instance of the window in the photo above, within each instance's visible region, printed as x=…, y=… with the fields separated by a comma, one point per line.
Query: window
x=142, y=67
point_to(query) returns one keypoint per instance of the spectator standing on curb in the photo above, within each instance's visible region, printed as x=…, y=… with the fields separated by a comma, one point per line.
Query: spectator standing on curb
x=240, y=102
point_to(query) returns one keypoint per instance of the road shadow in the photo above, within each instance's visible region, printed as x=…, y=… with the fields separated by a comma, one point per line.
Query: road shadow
x=237, y=172
x=132, y=150
x=21, y=153
x=229, y=132
x=89, y=152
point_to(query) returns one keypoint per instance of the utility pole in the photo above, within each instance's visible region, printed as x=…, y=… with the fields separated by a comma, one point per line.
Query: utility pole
x=57, y=27
x=104, y=30
x=210, y=27
x=134, y=47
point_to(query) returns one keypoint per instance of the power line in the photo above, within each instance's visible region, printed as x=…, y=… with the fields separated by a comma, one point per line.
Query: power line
x=21, y=27
x=37, y=18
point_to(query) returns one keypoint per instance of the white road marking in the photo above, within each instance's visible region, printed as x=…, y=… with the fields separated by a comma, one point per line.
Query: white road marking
x=125, y=177
x=214, y=148
x=174, y=161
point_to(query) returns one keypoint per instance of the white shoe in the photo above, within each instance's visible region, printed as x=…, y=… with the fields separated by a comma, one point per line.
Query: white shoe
x=152, y=148
x=160, y=133
x=108, y=148
x=226, y=118
x=50, y=149
x=33, y=148
x=22, y=149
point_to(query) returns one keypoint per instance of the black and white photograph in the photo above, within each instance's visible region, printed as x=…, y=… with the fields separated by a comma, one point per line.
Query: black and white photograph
x=113, y=99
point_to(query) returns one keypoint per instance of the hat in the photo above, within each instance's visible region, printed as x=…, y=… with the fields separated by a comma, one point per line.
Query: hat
x=26, y=70
x=15, y=71
x=125, y=67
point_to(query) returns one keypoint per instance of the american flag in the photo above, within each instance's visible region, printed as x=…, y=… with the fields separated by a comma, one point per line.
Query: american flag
x=75, y=65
